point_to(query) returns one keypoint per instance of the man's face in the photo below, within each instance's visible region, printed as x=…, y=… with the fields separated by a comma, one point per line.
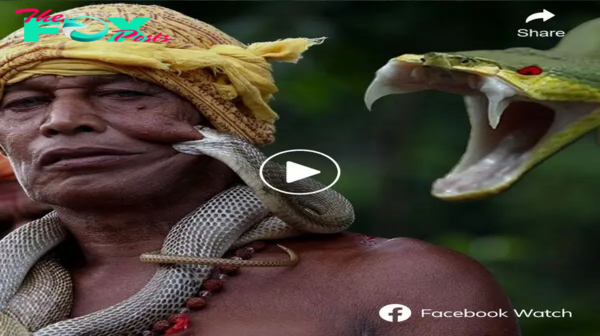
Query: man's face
x=71, y=138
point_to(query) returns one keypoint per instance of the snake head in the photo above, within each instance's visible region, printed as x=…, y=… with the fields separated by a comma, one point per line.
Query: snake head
x=209, y=133
x=523, y=104
x=211, y=140
x=225, y=147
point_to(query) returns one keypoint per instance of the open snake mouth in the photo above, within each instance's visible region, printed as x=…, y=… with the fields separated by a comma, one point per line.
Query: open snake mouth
x=510, y=132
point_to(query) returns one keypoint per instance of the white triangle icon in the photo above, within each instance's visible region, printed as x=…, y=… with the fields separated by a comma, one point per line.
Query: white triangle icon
x=295, y=172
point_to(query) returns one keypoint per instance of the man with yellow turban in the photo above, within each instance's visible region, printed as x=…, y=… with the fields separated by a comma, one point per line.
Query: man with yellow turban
x=147, y=152
x=15, y=207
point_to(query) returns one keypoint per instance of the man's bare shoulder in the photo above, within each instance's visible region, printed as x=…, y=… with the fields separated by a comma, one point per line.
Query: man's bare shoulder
x=422, y=276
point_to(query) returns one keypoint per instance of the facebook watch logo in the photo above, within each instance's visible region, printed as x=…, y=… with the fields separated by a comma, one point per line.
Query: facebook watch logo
x=395, y=313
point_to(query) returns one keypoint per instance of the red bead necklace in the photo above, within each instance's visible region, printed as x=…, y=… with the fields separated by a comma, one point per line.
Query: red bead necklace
x=179, y=322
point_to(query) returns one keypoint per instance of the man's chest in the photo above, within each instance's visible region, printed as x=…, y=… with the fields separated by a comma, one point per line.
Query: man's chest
x=284, y=313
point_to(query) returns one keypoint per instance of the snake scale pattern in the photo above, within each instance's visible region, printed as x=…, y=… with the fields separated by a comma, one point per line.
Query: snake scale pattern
x=36, y=292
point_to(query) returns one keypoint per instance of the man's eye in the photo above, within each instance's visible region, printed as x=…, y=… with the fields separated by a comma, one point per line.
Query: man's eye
x=122, y=94
x=26, y=103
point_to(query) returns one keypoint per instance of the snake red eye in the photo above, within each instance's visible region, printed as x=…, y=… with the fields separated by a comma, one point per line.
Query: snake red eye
x=532, y=70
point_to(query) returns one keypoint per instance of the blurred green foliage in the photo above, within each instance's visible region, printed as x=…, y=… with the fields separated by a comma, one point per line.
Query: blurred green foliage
x=538, y=238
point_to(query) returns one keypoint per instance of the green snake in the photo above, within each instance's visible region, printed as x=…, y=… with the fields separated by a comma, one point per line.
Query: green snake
x=524, y=105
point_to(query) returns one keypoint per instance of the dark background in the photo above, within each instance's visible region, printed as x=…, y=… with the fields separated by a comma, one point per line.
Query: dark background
x=539, y=239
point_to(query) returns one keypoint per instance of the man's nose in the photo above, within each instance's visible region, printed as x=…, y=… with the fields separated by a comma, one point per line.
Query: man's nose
x=69, y=116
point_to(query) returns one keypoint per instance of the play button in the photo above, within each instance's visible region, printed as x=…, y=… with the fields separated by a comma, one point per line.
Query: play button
x=299, y=172
x=296, y=172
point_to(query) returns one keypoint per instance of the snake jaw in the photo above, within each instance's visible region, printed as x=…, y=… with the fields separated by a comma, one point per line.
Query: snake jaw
x=512, y=129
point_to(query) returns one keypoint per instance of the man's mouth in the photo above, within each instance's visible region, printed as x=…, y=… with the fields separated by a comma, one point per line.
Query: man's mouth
x=510, y=132
x=83, y=157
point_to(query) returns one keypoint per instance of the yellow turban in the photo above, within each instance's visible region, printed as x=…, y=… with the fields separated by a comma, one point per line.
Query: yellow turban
x=230, y=83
